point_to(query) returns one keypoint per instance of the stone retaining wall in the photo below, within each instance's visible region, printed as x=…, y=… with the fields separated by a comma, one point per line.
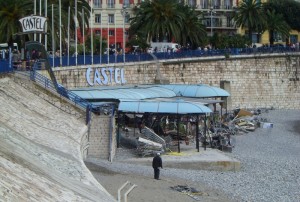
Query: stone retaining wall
x=254, y=81
x=95, y=142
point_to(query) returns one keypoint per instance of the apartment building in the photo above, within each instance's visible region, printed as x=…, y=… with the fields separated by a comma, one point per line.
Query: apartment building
x=111, y=17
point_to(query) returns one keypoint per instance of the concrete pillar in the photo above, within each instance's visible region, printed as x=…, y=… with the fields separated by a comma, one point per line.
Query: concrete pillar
x=102, y=137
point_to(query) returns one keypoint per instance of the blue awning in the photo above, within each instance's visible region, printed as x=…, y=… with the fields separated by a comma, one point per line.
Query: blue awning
x=134, y=93
x=168, y=107
x=142, y=92
x=200, y=90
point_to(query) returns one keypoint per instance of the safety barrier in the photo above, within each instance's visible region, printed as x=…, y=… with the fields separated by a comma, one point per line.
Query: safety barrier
x=48, y=84
x=140, y=56
x=5, y=67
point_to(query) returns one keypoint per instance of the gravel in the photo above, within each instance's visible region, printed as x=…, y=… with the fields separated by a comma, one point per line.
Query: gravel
x=269, y=158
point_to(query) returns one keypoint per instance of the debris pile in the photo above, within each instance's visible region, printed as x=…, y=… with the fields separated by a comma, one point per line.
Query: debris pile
x=190, y=191
x=220, y=134
x=147, y=147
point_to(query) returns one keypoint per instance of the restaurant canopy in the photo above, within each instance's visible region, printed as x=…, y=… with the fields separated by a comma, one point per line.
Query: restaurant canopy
x=199, y=90
x=167, y=107
x=141, y=92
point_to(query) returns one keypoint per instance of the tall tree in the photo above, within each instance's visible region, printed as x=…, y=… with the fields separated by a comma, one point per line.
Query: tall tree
x=194, y=31
x=276, y=23
x=158, y=19
x=10, y=13
x=250, y=15
x=164, y=20
x=290, y=10
x=13, y=10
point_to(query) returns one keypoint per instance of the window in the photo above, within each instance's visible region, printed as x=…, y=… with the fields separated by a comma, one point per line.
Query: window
x=97, y=32
x=278, y=37
x=127, y=18
x=111, y=18
x=98, y=3
x=217, y=4
x=126, y=3
x=227, y=4
x=192, y=3
x=204, y=4
x=110, y=3
x=97, y=18
x=111, y=32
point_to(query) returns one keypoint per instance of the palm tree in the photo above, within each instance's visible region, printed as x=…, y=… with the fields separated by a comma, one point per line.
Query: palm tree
x=158, y=19
x=194, y=31
x=10, y=13
x=250, y=15
x=276, y=23
x=13, y=10
x=164, y=20
x=289, y=9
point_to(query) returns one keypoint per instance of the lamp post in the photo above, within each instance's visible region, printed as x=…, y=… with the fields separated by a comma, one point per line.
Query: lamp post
x=211, y=10
x=124, y=14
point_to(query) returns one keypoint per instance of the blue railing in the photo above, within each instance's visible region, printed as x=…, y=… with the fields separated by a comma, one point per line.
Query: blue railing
x=139, y=57
x=48, y=84
x=5, y=67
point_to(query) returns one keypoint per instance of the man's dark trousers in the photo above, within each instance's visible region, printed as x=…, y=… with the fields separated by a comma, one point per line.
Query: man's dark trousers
x=156, y=173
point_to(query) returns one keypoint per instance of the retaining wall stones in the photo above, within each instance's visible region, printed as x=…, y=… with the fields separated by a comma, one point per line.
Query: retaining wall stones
x=95, y=142
x=254, y=81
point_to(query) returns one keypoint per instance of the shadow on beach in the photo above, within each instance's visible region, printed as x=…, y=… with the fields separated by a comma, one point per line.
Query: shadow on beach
x=296, y=126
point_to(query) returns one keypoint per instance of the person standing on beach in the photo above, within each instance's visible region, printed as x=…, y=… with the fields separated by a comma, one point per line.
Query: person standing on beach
x=156, y=164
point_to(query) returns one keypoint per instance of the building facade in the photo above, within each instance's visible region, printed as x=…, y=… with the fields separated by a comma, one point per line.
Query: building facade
x=110, y=19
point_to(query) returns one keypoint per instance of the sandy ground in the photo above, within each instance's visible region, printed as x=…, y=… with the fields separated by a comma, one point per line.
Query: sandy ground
x=149, y=189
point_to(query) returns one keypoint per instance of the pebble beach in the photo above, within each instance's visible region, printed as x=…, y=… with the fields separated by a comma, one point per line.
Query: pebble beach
x=270, y=163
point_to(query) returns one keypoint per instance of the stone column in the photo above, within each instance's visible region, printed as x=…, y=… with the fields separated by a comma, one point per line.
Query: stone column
x=102, y=137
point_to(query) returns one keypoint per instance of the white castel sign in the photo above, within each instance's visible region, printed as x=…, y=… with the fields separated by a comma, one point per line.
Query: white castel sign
x=33, y=23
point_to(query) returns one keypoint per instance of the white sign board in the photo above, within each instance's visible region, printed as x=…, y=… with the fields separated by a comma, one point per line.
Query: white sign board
x=33, y=23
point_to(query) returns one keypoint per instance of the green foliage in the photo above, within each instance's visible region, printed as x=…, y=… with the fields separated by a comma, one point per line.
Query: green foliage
x=79, y=49
x=137, y=41
x=164, y=20
x=250, y=15
x=222, y=41
x=289, y=9
x=96, y=44
x=276, y=23
x=13, y=10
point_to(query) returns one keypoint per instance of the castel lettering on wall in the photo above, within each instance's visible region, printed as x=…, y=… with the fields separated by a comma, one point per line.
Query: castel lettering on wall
x=105, y=76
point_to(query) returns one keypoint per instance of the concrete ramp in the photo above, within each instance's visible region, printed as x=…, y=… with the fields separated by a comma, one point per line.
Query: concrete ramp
x=40, y=157
x=189, y=158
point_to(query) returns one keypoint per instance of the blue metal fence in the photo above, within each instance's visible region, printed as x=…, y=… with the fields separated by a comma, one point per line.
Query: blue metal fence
x=139, y=57
x=48, y=84
x=5, y=67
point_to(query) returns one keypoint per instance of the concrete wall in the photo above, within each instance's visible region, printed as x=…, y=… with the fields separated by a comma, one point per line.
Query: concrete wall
x=102, y=139
x=95, y=142
x=253, y=81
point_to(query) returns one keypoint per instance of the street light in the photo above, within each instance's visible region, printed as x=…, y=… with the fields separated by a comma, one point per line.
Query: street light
x=124, y=14
x=211, y=10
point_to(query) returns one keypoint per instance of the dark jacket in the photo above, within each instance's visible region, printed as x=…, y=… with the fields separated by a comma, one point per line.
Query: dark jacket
x=157, y=162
